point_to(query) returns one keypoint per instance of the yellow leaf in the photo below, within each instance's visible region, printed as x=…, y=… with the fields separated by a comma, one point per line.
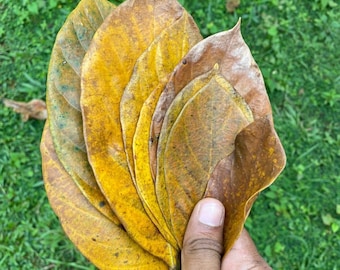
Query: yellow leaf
x=152, y=68
x=151, y=71
x=203, y=133
x=144, y=181
x=106, y=70
x=63, y=94
x=104, y=243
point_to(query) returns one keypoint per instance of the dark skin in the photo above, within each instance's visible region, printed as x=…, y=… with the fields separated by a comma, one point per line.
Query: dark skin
x=203, y=242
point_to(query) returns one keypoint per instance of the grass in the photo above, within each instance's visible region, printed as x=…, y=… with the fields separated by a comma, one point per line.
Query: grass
x=295, y=223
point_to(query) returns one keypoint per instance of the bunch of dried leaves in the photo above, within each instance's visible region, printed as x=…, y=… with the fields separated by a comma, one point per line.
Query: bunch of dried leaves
x=144, y=119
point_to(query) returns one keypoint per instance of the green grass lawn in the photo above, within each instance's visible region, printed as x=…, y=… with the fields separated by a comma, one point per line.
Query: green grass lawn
x=295, y=222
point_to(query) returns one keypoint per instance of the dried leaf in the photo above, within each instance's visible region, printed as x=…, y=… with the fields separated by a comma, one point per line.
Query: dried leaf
x=231, y=5
x=151, y=71
x=103, y=242
x=237, y=179
x=202, y=135
x=36, y=108
x=237, y=65
x=153, y=68
x=63, y=94
x=191, y=89
x=144, y=181
x=107, y=108
x=108, y=66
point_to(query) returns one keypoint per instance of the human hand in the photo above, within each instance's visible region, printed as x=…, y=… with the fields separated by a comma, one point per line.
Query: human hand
x=203, y=242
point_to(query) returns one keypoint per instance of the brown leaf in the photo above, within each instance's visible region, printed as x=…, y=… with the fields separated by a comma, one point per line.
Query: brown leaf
x=231, y=5
x=103, y=242
x=202, y=135
x=36, y=108
x=237, y=65
x=63, y=94
x=257, y=160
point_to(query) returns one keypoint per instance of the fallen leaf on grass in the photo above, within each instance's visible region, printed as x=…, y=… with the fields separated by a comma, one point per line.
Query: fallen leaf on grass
x=231, y=5
x=36, y=108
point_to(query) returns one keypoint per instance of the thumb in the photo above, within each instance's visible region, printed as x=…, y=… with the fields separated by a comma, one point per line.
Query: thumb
x=203, y=239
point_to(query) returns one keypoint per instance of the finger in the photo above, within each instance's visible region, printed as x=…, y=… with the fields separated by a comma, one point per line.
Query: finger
x=244, y=255
x=203, y=240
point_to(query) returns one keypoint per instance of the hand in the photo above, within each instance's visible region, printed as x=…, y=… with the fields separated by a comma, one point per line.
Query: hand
x=203, y=242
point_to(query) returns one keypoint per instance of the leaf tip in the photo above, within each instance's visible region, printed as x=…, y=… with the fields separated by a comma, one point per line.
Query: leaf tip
x=237, y=26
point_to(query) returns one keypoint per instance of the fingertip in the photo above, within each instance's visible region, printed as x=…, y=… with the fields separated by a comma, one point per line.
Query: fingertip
x=210, y=212
x=203, y=239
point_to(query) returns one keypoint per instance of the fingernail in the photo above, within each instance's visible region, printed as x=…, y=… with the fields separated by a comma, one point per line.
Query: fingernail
x=211, y=214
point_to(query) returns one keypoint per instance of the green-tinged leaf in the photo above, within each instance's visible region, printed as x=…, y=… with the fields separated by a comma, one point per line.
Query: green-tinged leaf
x=63, y=94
